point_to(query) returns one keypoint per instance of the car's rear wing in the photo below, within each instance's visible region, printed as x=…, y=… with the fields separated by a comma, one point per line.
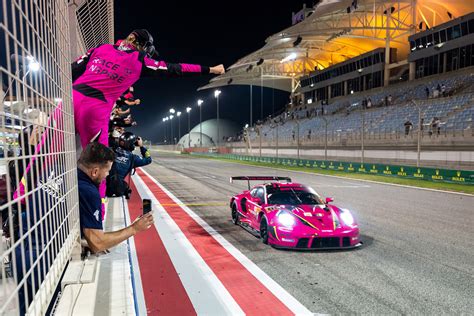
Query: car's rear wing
x=259, y=178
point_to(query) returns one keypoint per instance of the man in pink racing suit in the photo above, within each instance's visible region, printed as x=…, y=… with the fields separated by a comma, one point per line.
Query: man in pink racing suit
x=104, y=73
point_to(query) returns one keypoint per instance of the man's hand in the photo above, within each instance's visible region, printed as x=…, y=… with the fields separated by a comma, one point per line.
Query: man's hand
x=140, y=142
x=142, y=223
x=218, y=70
x=137, y=101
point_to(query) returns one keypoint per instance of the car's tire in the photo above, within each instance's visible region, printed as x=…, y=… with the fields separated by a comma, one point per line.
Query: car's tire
x=235, y=215
x=264, y=230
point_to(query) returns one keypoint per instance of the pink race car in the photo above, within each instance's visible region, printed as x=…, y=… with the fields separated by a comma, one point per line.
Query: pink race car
x=292, y=215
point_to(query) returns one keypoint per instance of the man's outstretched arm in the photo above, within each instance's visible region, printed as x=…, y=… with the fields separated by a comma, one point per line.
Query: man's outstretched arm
x=98, y=240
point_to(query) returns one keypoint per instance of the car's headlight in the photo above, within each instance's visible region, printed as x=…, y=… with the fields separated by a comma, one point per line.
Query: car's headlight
x=346, y=217
x=286, y=219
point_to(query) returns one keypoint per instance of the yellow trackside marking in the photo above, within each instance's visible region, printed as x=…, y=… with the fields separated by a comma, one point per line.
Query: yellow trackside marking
x=275, y=230
x=195, y=204
x=306, y=221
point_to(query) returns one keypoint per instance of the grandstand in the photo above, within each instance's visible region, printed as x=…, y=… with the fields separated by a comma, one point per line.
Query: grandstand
x=365, y=68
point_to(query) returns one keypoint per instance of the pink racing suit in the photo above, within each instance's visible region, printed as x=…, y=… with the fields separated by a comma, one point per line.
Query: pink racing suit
x=103, y=75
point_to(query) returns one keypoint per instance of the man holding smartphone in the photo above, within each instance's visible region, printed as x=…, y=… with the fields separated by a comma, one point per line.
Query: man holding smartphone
x=93, y=166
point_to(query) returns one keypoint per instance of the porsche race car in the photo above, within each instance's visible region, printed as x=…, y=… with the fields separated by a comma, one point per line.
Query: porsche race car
x=292, y=215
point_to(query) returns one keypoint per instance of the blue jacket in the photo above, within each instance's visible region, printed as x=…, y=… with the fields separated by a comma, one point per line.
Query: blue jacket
x=124, y=159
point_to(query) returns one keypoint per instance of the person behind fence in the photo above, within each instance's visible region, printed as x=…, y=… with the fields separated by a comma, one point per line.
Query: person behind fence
x=124, y=162
x=408, y=126
x=93, y=166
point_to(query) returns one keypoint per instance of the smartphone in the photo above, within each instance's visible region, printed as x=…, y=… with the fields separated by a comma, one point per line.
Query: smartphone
x=146, y=206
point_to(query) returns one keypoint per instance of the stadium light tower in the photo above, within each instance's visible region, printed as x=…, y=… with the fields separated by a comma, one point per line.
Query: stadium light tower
x=178, y=114
x=200, y=102
x=216, y=95
x=188, y=110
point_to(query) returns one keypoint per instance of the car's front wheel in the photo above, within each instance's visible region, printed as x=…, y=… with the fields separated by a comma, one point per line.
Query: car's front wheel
x=235, y=215
x=264, y=230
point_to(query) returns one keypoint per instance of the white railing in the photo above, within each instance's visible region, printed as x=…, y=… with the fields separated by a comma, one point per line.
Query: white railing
x=37, y=158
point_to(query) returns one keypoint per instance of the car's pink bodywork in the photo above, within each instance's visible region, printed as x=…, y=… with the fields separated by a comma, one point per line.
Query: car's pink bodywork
x=315, y=226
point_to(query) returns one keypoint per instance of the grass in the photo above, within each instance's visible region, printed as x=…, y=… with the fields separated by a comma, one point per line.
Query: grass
x=454, y=187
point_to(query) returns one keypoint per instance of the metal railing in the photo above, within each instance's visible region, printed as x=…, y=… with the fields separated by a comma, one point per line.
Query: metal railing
x=38, y=178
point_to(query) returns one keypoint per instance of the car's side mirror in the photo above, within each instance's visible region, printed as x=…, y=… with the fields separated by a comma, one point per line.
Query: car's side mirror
x=329, y=199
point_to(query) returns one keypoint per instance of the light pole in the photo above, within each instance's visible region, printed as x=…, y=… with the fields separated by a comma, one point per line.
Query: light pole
x=216, y=95
x=33, y=66
x=165, y=119
x=418, y=145
x=251, y=105
x=297, y=138
x=259, y=128
x=362, y=135
x=200, y=102
x=248, y=144
x=188, y=110
x=171, y=127
x=178, y=114
x=172, y=111
x=325, y=138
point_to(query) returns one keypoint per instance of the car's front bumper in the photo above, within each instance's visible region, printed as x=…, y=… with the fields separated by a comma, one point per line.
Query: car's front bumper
x=315, y=240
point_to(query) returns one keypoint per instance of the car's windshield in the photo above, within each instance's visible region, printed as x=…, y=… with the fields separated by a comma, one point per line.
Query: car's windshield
x=293, y=196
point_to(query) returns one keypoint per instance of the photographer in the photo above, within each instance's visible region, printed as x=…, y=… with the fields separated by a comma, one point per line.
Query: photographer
x=124, y=162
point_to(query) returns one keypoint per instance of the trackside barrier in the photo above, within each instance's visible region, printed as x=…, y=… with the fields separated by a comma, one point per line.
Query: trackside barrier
x=408, y=172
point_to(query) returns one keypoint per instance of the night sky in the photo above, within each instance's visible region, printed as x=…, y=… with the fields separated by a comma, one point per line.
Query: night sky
x=202, y=32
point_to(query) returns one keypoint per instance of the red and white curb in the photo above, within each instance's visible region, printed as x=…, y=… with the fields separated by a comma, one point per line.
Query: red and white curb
x=186, y=267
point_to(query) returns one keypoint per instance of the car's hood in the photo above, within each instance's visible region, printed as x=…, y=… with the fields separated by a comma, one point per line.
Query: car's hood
x=322, y=217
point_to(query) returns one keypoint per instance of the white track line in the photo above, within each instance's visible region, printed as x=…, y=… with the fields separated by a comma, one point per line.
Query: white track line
x=206, y=292
x=286, y=298
x=138, y=288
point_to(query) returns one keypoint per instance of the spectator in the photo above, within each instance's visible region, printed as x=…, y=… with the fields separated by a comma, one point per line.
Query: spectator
x=309, y=134
x=293, y=134
x=369, y=103
x=436, y=125
x=427, y=90
x=443, y=90
x=389, y=99
x=436, y=92
x=93, y=166
x=408, y=127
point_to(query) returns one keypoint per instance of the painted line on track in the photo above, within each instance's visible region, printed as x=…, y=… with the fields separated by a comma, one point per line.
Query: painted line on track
x=253, y=289
x=162, y=286
x=140, y=306
x=205, y=292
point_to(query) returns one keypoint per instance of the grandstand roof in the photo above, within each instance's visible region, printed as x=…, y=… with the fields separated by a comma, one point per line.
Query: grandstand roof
x=336, y=31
